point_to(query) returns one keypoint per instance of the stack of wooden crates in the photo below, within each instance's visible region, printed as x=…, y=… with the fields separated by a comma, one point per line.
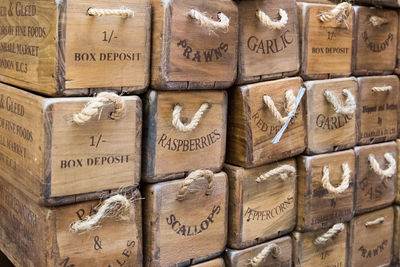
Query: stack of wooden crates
x=199, y=132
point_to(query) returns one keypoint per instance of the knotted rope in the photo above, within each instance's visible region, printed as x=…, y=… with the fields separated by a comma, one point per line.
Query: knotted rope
x=273, y=25
x=377, y=21
x=283, y=172
x=341, y=12
x=271, y=249
x=333, y=231
x=381, y=88
x=176, y=118
x=193, y=176
x=343, y=185
x=94, y=106
x=348, y=108
x=374, y=165
x=203, y=20
x=123, y=12
x=290, y=106
x=375, y=222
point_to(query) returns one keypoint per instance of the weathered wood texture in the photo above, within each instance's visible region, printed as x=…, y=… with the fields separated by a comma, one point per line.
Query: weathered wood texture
x=42, y=152
x=187, y=231
x=396, y=236
x=32, y=235
x=397, y=69
x=252, y=126
x=333, y=253
x=377, y=111
x=374, y=46
x=169, y=152
x=259, y=211
x=58, y=49
x=259, y=44
x=316, y=206
x=371, y=245
x=326, y=129
x=238, y=258
x=325, y=46
x=181, y=58
x=374, y=191
x=218, y=262
x=397, y=200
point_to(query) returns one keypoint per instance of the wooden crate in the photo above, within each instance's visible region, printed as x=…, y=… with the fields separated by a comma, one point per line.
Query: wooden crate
x=32, y=235
x=330, y=127
x=58, y=48
x=184, y=225
x=371, y=238
x=396, y=236
x=274, y=39
x=261, y=202
x=325, y=190
x=194, y=44
x=252, y=125
x=308, y=252
x=276, y=252
x=46, y=150
x=173, y=142
x=325, y=45
x=375, y=176
x=377, y=109
x=218, y=262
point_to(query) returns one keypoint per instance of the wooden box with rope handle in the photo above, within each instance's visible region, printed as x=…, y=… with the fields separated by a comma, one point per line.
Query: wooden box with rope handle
x=194, y=44
x=183, y=131
x=331, y=115
x=258, y=114
x=371, y=239
x=324, y=247
x=268, y=32
x=262, y=202
x=75, y=47
x=186, y=220
x=325, y=186
x=326, y=40
x=377, y=109
x=218, y=262
x=88, y=233
x=65, y=150
x=277, y=252
x=376, y=176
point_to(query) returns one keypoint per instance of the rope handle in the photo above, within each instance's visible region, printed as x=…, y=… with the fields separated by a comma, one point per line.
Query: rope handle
x=340, y=12
x=176, y=118
x=375, y=222
x=283, y=172
x=381, y=88
x=203, y=20
x=389, y=171
x=268, y=22
x=343, y=185
x=290, y=106
x=346, y=108
x=100, y=12
x=193, y=176
x=333, y=231
x=271, y=249
x=377, y=21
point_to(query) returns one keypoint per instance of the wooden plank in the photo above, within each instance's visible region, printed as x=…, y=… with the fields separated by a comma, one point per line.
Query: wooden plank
x=371, y=237
x=374, y=191
x=218, y=262
x=377, y=111
x=396, y=236
x=198, y=223
x=181, y=59
x=236, y=258
x=260, y=211
x=317, y=206
x=252, y=126
x=44, y=153
x=259, y=43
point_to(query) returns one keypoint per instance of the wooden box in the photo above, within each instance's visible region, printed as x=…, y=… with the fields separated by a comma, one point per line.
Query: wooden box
x=70, y=47
x=371, y=238
x=377, y=109
x=183, y=131
x=375, y=41
x=331, y=115
x=396, y=236
x=268, y=31
x=261, y=202
x=194, y=44
x=47, y=150
x=185, y=221
x=218, y=262
x=375, y=176
x=32, y=235
x=325, y=186
x=326, y=41
x=252, y=124
x=276, y=253
x=308, y=251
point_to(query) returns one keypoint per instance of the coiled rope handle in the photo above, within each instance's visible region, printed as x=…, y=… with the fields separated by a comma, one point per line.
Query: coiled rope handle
x=94, y=106
x=340, y=12
x=193, y=176
x=336, y=229
x=290, y=105
x=271, y=249
x=377, y=21
x=381, y=88
x=390, y=170
x=273, y=25
x=122, y=12
x=176, y=118
x=375, y=222
x=343, y=185
x=283, y=172
x=346, y=108
x=203, y=20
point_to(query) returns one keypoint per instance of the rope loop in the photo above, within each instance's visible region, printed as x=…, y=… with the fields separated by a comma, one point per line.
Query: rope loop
x=290, y=106
x=273, y=25
x=340, y=12
x=333, y=231
x=203, y=20
x=283, y=172
x=381, y=88
x=271, y=249
x=193, y=176
x=389, y=171
x=343, y=185
x=377, y=21
x=346, y=108
x=100, y=12
x=176, y=118
x=375, y=222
